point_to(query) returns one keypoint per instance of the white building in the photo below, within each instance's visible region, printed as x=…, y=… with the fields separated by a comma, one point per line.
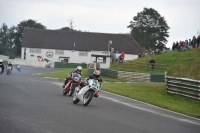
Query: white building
x=75, y=47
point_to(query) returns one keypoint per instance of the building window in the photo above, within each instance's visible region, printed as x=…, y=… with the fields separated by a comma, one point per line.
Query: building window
x=38, y=51
x=104, y=52
x=31, y=50
x=60, y=52
x=35, y=50
x=81, y=53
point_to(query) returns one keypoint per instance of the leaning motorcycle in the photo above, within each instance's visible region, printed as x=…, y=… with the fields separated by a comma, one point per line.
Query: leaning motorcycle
x=8, y=71
x=18, y=68
x=72, y=84
x=87, y=92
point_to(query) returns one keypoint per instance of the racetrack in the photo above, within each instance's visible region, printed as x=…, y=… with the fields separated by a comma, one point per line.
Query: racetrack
x=31, y=104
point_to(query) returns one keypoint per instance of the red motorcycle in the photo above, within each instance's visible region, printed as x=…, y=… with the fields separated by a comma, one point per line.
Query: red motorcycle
x=72, y=84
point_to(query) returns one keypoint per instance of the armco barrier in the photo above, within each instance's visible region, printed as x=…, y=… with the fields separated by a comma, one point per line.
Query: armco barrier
x=109, y=73
x=137, y=65
x=157, y=78
x=184, y=87
x=69, y=65
x=131, y=76
x=106, y=72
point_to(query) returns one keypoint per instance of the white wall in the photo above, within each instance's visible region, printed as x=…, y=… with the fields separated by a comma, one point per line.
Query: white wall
x=74, y=57
x=130, y=57
x=3, y=57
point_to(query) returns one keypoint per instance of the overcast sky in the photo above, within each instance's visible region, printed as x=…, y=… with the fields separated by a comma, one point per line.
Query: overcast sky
x=104, y=16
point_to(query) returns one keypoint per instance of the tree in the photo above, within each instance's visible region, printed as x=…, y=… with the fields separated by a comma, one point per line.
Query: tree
x=19, y=32
x=66, y=28
x=71, y=28
x=71, y=21
x=149, y=29
x=6, y=39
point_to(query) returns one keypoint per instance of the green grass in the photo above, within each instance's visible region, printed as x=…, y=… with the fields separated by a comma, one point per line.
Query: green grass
x=184, y=64
x=156, y=95
x=63, y=73
x=5, y=63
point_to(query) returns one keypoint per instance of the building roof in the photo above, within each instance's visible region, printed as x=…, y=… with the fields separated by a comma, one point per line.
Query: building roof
x=79, y=41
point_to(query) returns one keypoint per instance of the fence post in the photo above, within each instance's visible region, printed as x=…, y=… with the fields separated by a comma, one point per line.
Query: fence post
x=165, y=76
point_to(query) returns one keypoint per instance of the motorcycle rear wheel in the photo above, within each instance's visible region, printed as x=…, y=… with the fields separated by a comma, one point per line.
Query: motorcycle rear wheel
x=87, y=98
x=8, y=72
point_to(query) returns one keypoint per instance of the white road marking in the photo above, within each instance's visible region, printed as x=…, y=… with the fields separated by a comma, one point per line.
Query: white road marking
x=151, y=111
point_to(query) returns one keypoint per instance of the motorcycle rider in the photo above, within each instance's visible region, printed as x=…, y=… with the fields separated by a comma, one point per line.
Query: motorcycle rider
x=10, y=65
x=78, y=70
x=95, y=75
x=18, y=67
x=2, y=66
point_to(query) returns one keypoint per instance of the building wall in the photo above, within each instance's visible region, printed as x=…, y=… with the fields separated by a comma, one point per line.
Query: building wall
x=75, y=56
x=130, y=57
x=3, y=57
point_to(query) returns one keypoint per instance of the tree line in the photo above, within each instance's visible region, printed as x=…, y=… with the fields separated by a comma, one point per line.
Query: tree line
x=148, y=28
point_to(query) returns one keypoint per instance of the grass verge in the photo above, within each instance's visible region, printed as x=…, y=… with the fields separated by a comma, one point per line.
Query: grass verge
x=149, y=93
x=156, y=95
x=64, y=73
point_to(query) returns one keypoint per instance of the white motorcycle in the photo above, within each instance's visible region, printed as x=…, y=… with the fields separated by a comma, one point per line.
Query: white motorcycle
x=87, y=92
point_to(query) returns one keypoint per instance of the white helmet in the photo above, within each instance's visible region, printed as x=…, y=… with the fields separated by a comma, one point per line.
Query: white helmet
x=79, y=69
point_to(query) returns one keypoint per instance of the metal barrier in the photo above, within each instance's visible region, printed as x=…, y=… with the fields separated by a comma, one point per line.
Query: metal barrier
x=131, y=76
x=182, y=86
x=137, y=65
x=69, y=65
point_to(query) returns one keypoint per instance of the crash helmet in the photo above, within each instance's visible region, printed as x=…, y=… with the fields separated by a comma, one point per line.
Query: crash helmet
x=97, y=73
x=79, y=69
x=1, y=61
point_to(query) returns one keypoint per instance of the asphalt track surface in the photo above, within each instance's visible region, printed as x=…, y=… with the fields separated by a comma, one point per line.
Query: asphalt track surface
x=31, y=104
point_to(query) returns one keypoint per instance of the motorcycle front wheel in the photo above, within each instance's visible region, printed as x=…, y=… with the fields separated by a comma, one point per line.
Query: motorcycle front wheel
x=75, y=100
x=64, y=92
x=87, y=98
x=71, y=90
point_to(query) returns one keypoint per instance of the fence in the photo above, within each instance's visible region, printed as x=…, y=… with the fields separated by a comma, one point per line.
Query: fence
x=131, y=76
x=182, y=86
x=145, y=66
x=69, y=65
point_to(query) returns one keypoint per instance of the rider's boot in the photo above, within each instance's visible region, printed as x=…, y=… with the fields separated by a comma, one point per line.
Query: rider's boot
x=96, y=94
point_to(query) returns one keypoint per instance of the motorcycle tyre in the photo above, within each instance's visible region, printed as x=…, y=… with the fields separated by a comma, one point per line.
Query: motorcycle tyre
x=75, y=100
x=71, y=91
x=64, y=92
x=8, y=72
x=88, y=99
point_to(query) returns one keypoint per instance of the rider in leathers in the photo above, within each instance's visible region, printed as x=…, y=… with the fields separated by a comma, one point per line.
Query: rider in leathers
x=95, y=75
x=78, y=70
x=2, y=66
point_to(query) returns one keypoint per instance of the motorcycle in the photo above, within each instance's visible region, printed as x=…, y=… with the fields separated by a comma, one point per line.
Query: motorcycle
x=72, y=84
x=87, y=92
x=8, y=70
x=18, y=68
